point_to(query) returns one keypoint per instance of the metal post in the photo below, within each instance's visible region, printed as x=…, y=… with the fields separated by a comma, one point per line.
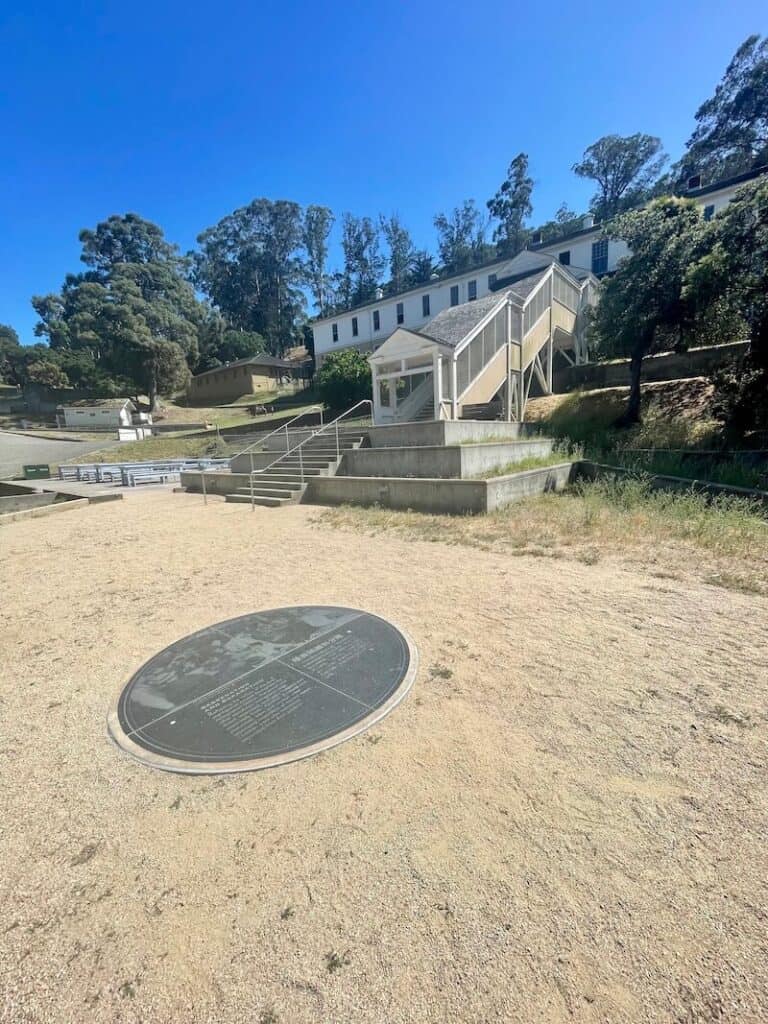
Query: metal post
x=301, y=463
x=205, y=493
x=286, y=437
x=337, y=439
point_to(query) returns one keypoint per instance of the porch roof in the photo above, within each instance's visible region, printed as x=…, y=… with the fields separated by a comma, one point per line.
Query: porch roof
x=404, y=344
x=451, y=326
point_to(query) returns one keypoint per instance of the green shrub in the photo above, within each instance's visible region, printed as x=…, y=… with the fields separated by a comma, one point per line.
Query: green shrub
x=344, y=379
x=741, y=396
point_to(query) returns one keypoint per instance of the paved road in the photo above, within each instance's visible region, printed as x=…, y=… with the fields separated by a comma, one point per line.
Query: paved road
x=17, y=450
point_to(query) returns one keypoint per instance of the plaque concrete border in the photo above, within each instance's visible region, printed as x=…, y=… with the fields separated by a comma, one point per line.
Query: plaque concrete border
x=181, y=765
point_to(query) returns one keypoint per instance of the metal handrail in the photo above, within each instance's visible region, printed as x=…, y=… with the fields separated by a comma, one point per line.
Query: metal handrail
x=298, y=448
x=283, y=426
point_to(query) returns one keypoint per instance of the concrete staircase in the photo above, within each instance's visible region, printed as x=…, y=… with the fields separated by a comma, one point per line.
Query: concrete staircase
x=281, y=484
x=426, y=412
x=493, y=410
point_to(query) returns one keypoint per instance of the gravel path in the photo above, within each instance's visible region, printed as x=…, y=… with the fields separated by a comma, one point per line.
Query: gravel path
x=565, y=820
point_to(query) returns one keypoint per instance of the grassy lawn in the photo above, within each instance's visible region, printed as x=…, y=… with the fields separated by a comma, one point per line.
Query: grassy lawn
x=171, y=446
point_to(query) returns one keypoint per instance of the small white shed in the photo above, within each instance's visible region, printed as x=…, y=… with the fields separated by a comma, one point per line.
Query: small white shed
x=100, y=414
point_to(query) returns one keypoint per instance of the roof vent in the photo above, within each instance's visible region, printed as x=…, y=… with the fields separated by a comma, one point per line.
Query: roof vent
x=434, y=276
x=379, y=294
x=588, y=221
x=694, y=181
x=536, y=238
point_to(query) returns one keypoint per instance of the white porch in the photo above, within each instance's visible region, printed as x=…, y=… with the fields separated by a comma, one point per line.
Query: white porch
x=407, y=376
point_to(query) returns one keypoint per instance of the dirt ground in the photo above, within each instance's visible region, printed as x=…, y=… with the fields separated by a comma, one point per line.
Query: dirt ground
x=566, y=820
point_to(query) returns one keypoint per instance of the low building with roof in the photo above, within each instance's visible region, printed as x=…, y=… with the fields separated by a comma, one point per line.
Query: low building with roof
x=247, y=376
x=101, y=414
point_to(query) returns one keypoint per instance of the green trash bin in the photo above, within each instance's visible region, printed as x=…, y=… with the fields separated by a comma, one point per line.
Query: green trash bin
x=38, y=471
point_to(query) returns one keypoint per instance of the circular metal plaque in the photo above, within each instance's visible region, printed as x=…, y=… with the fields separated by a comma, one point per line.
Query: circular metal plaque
x=263, y=689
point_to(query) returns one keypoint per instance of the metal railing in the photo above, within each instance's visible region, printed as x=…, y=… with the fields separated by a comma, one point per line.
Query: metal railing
x=299, y=448
x=283, y=427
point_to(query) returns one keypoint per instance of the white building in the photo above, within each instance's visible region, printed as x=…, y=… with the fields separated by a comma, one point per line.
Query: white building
x=587, y=251
x=101, y=414
x=590, y=249
x=492, y=348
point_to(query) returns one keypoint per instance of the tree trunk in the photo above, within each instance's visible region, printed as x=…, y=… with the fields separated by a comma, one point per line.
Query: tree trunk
x=152, y=391
x=759, y=343
x=631, y=414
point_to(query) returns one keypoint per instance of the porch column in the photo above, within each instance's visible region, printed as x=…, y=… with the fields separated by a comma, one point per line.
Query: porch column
x=437, y=380
x=375, y=389
x=454, y=389
x=508, y=395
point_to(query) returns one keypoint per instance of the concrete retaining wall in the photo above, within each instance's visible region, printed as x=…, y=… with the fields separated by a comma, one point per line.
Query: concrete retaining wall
x=452, y=497
x=441, y=432
x=43, y=510
x=696, y=362
x=215, y=483
x=503, y=490
x=17, y=502
x=462, y=462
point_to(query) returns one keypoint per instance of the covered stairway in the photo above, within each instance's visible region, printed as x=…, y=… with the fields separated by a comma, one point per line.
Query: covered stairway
x=491, y=348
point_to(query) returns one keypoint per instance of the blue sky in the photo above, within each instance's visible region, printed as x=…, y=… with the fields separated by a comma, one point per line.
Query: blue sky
x=184, y=111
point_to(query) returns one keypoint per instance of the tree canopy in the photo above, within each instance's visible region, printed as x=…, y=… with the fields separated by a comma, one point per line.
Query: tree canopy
x=731, y=133
x=318, y=221
x=249, y=265
x=401, y=253
x=625, y=169
x=461, y=238
x=511, y=206
x=733, y=268
x=133, y=319
x=643, y=304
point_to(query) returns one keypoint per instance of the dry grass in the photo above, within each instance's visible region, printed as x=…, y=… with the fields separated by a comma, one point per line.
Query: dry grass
x=560, y=453
x=676, y=414
x=727, y=538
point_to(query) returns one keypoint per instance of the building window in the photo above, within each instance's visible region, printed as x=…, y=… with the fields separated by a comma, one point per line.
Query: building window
x=709, y=211
x=354, y=326
x=471, y=290
x=565, y=258
x=335, y=332
x=491, y=280
x=376, y=320
x=454, y=295
x=425, y=305
x=600, y=256
x=400, y=313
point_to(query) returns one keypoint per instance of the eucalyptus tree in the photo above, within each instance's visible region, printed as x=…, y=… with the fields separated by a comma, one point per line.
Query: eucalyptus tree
x=625, y=169
x=249, y=265
x=511, y=206
x=731, y=133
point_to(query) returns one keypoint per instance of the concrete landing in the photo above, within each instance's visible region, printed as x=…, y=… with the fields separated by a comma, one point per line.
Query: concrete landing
x=65, y=488
x=457, y=461
x=441, y=496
